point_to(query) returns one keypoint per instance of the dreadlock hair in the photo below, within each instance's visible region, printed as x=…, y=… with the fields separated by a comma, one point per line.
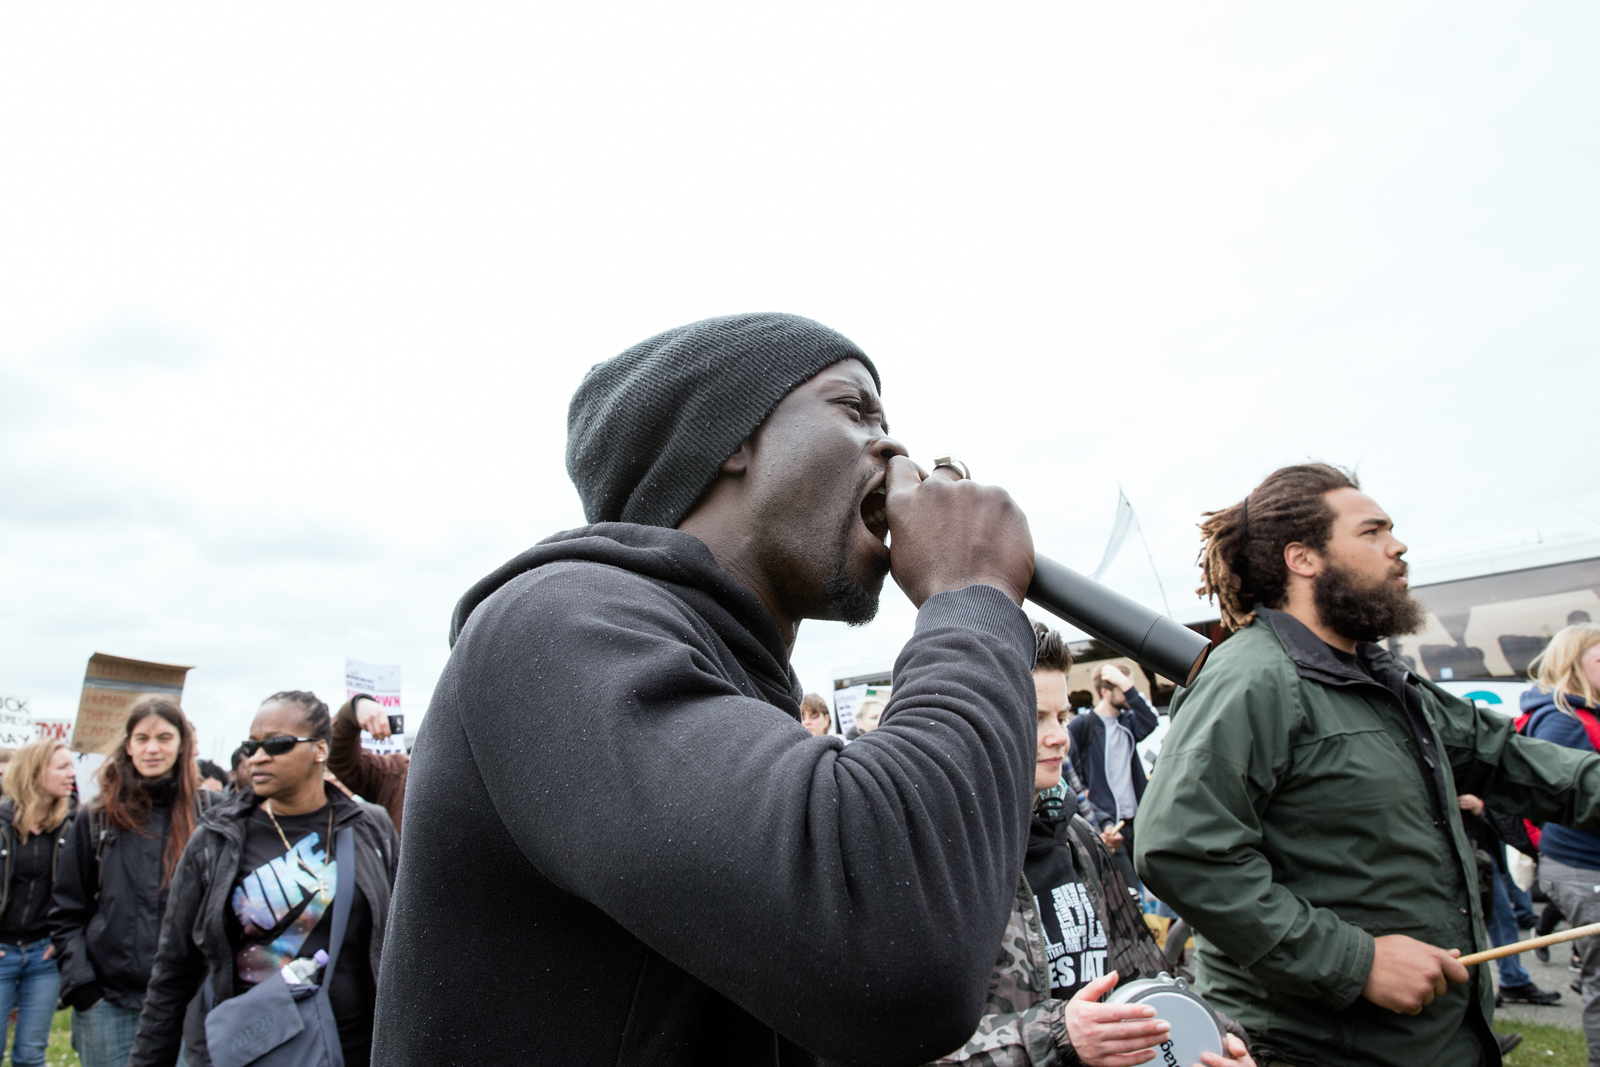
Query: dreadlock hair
x=318, y=722
x=1241, y=551
x=1053, y=655
x=125, y=803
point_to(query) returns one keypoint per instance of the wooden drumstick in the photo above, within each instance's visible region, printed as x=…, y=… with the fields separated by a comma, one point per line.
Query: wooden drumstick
x=1531, y=944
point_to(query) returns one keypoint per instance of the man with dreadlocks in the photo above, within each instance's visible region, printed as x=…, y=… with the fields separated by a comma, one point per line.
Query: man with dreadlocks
x=1302, y=818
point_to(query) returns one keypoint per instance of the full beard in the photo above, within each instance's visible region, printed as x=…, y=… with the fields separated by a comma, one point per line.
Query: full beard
x=1365, y=614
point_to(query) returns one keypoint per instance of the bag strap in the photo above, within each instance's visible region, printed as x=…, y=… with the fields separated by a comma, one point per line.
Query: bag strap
x=1590, y=725
x=342, y=894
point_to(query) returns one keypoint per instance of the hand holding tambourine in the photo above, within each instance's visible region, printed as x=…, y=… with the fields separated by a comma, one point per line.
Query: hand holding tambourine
x=1159, y=1019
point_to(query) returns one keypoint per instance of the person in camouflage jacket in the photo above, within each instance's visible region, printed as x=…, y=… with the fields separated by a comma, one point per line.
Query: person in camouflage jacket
x=1022, y=1024
x=1027, y=1020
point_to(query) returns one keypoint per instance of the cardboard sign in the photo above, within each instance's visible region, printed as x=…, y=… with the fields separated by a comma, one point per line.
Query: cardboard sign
x=111, y=686
x=381, y=681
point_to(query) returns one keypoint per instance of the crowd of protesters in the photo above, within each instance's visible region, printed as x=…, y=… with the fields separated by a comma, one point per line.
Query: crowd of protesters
x=181, y=885
x=630, y=839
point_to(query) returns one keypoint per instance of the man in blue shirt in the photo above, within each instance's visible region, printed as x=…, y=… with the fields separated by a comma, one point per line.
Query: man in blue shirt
x=1103, y=752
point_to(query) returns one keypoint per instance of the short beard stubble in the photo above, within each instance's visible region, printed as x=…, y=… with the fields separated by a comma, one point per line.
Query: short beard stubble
x=1365, y=614
x=851, y=602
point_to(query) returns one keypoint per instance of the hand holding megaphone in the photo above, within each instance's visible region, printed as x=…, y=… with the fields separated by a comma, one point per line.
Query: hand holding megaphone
x=948, y=532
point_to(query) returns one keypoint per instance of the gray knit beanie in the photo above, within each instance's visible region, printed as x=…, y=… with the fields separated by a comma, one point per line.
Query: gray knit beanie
x=648, y=431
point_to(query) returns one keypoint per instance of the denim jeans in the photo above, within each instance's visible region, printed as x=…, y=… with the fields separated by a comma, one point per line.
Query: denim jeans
x=103, y=1035
x=29, y=983
x=1503, y=931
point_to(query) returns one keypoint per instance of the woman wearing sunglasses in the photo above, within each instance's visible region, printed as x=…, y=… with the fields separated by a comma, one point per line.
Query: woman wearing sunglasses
x=258, y=888
x=114, y=874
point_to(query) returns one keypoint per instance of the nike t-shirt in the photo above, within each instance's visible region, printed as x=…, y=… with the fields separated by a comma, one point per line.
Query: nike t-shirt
x=278, y=912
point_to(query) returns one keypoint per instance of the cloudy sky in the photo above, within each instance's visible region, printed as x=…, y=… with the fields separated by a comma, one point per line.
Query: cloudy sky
x=294, y=298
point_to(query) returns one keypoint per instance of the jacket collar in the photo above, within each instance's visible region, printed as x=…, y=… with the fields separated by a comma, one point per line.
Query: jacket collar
x=229, y=819
x=1314, y=659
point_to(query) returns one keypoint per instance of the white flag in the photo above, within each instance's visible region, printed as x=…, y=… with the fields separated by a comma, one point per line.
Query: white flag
x=1119, y=533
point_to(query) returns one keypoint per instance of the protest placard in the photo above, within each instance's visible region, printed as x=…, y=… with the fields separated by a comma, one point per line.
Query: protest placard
x=849, y=693
x=54, y=729
x=381, y=682
x=16, y=723
x=16, y=730
x=111, y=685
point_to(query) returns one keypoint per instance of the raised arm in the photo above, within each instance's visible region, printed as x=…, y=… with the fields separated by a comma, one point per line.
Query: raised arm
x=1143, y=715
x=364, y=772
x=1541, y=780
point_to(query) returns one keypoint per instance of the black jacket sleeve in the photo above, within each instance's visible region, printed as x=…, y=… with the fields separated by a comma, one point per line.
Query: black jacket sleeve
x=73, y=905
x=180, y=966
x=1141, y=718
x=869, y=882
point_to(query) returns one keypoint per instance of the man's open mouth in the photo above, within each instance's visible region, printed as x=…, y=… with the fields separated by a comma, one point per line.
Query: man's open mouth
x=873, y=510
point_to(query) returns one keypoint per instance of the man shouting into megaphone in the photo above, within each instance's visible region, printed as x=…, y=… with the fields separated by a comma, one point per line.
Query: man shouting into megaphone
x=621, y=845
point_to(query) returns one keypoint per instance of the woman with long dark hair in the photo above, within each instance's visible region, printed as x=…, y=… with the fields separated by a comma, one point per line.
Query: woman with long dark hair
x=260, y=892
x=113, y=878
x=33, y=824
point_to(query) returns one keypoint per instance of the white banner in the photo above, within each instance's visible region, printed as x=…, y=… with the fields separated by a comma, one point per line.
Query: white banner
x=381, y=681
x=17, y=727
x=87, y=767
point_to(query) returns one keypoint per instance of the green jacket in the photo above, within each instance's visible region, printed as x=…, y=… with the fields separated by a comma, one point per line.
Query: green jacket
x=1298, y=809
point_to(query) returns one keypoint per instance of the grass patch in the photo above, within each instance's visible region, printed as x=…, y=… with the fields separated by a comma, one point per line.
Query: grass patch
x=1554, y=1046
x=60, y=1053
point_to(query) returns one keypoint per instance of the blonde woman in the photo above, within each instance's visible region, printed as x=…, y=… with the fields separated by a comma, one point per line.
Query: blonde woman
x=33, y=824
x=1562, y=707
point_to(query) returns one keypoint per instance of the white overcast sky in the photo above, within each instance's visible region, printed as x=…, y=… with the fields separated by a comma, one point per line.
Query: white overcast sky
x=293, y=297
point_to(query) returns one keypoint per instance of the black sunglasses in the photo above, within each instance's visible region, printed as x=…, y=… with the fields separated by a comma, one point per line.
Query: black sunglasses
x=275, y=746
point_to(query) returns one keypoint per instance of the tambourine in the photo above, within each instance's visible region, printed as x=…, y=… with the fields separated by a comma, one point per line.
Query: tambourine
x=1195, y=1027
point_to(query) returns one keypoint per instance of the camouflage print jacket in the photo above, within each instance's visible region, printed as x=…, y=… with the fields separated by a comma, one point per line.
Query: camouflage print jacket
x=1022, y=1024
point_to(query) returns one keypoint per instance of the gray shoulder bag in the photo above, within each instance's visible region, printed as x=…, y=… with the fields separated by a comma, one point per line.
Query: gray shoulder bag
x=276, y=1025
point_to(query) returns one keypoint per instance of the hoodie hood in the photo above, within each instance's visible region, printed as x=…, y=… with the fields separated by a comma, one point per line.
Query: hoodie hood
x=1540, y=697
x=674, y=558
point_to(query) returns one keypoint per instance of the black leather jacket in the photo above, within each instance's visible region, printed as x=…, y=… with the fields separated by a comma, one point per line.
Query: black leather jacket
x=8, y=844
x=105, y=915
x=194, y=937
